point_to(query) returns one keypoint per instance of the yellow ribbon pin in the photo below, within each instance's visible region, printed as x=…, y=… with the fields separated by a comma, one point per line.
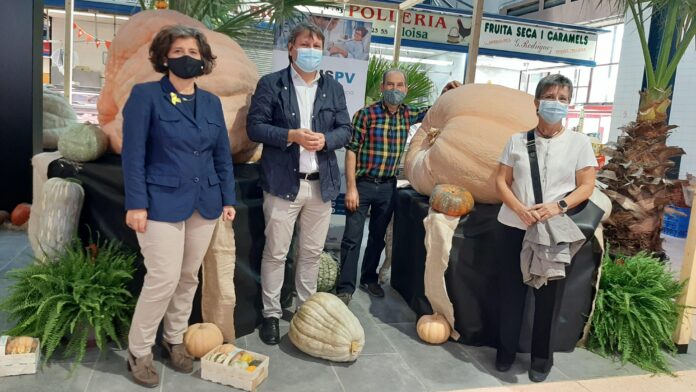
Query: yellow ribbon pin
x=175, y=98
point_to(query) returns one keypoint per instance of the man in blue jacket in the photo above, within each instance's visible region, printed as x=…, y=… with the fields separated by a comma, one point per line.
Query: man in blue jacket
x=301, y=118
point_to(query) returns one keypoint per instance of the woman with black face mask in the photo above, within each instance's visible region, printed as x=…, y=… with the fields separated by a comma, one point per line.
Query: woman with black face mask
x=178, y=176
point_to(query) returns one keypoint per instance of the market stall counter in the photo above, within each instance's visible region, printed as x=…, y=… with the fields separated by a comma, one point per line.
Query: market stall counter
x=472, y=275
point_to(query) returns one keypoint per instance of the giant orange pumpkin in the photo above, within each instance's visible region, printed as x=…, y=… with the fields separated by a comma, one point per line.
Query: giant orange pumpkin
x=233, y=79
x=463, y=136
x=451, y=200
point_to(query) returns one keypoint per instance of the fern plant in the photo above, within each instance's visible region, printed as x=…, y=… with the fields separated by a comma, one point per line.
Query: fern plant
x=80, y=290
x=636, y=311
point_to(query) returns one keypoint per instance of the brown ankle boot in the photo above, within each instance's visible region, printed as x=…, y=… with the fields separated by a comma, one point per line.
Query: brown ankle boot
x=143, y=371
x=179, y=358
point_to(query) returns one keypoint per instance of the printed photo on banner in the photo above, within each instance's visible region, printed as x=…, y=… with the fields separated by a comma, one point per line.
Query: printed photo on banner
x=343, y=37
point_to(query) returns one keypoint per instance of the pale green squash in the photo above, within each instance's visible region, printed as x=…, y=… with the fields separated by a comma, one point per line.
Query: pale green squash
x=83, y=143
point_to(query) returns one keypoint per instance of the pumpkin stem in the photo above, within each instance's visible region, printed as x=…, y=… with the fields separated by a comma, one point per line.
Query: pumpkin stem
x=433, y=133
x=354, y=348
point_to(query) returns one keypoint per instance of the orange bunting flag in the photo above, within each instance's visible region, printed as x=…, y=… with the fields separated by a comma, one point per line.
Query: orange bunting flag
x=108, y=44
x=89, y=38
x=98, y=42
x=80, y=32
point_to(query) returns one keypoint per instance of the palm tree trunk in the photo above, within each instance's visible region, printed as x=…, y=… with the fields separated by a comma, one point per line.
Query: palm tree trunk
x=635, y=177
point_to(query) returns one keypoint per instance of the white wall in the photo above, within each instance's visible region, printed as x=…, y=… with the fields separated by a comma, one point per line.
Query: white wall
x=629, y=80
x=626, y=100
x=683, y=113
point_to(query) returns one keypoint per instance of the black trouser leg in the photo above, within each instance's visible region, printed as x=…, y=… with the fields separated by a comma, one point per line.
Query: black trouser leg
x=350, y=245
x=513, y=293
x=546, y=305
x=381, y=211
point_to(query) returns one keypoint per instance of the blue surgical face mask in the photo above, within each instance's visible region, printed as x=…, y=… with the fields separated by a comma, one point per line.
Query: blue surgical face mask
x=308, y=59
x=393, y=97
x=552, y=111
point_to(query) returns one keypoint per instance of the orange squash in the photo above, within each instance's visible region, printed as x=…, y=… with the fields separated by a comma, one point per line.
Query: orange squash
x=20, y=215
x=433, y=328
x=233, y=79
x=451, y=200
x=463, y=136
x=199, y=339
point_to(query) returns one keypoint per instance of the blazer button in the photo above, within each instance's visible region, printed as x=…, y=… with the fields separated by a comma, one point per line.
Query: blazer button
x=196, y=153
x=196, y=179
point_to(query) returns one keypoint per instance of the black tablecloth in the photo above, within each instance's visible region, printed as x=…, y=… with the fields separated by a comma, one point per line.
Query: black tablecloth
x=471, y=277
x=103, y=213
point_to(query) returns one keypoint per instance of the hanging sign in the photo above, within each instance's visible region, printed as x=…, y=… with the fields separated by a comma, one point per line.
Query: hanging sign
x=496, y=34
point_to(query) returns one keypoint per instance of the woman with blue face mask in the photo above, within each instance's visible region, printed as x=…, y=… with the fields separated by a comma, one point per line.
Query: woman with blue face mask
x=566, y=173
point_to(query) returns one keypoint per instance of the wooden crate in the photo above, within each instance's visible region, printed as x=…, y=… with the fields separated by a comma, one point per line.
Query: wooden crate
x=16, y=364
x=235, y=377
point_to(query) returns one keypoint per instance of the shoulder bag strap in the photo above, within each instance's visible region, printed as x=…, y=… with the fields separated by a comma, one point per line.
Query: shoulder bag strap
x=534, y=167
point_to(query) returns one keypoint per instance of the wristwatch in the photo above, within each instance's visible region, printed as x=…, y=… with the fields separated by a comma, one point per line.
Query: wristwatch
x=563, y=206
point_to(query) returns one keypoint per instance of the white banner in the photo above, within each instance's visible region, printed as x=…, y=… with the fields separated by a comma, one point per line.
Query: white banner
x=496, y=34
x=346, y=53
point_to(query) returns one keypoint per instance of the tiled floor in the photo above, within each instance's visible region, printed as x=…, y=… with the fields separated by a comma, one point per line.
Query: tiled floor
x=394, y=359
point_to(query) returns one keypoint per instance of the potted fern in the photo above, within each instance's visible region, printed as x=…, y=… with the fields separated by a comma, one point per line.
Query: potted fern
x=79, y=292
x=636, y=311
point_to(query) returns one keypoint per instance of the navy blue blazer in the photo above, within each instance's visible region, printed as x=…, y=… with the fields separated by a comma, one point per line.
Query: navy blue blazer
x=174, y=164
x=274, y=111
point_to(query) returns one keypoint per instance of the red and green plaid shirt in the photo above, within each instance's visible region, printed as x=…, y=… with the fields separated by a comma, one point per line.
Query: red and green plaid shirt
x=379, y=138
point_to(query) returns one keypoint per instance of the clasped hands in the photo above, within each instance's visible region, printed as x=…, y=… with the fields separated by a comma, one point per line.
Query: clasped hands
x=538, y=213
x=310, y=140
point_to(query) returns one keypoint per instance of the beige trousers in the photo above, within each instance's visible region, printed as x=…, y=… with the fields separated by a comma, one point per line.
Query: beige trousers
x=173, y=254
x=314, y=217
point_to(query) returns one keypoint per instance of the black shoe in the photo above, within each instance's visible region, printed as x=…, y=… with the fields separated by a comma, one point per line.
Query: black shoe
x=540, y=369
x=270, y=331
x=537, y=376
x=503, y=365
x=374, y=289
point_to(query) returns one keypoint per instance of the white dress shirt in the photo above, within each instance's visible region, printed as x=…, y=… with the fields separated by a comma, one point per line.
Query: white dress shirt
x=306, y=93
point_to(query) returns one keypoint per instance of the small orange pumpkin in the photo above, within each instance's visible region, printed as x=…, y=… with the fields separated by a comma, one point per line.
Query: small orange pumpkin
x=451, y=200
x=20, y=215
x=433, y=328
x=199, y=339
x=161, y=4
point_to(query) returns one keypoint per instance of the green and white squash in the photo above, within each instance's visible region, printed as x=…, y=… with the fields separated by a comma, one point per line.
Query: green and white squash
x=324, y=327
x=83, y=143
x=58, y=116
x=61, y=206
x=328, y=273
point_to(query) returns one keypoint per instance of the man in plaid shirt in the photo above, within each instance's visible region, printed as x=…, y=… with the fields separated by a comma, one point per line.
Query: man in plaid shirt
x=379, y=138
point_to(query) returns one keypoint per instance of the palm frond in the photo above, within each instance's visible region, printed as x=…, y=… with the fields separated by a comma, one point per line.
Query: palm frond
x=419, y=84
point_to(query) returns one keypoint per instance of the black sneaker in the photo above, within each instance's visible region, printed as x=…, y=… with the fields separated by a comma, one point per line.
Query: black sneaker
x=374, y=289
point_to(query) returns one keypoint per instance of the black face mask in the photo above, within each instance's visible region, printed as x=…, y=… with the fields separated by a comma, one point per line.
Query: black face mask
x=185, y=67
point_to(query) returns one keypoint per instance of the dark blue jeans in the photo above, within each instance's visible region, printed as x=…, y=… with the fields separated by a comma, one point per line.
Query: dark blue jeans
x=379, y=199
